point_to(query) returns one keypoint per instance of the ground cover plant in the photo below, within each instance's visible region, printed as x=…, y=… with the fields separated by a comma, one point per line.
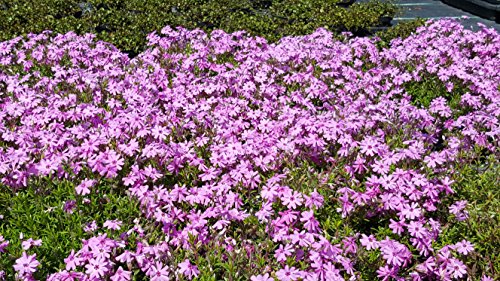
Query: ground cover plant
x=224, y=157
x=125, y=23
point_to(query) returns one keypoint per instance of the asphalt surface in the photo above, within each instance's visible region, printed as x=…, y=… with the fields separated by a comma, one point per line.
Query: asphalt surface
x=435, y=9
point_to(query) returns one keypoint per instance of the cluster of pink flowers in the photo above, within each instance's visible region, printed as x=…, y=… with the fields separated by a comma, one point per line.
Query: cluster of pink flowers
x=239, y=115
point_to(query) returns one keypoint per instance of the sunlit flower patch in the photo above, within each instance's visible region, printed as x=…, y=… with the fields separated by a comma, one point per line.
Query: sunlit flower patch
x=301, y=160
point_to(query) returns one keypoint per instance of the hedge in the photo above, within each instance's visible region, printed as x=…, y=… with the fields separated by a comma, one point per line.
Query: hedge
x=125, y=23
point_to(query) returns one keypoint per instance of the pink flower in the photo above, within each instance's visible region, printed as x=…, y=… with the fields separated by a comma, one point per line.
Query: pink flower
x=112, y=224
x=26, y=264
x=314, y=199
x=96, y=268
x=292, y=199
x=72, y=261
x=386, y=273
x=395, y=253
x=188, y=269
x=159, y=272
x=69, y=206
x=3, y=244
x=310, y=222
x=90, y=227
x=31, y=243
x=84, y=187
x=369, y=146
x=369, y=242
x=411, y=211
x=416, y=229
x=121, y=275
x=464, y=247
x=283, y=252
x=288, y=274
x=456, y=268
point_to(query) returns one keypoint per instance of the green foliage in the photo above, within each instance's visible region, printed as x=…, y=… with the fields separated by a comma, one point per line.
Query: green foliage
x=478, y=183
x=37, y=212
x=429, y=88
x=125, y=24
x=401, y=30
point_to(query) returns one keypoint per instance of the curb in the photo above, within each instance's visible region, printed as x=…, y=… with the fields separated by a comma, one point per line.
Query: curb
x=489, y=9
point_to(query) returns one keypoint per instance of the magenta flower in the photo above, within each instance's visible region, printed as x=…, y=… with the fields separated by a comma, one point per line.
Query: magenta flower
x=369, y=242
x=69, y=206
x=239, y=124
x=456, y=268
x=3, y=244
x=283, y=252
x=292, y=199
x=188, y=269
x=411, y=211
x=288, y=274
x=264, y=277
x=72, y=261
x=96, y=268
x=31, y=243
x=26, y=265
x=121, y=275
x=84, y=187
x=112, y=224
x=464, y=247
x=159, y=272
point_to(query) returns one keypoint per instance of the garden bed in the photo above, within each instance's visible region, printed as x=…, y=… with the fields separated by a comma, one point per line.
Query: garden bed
x=223, y=156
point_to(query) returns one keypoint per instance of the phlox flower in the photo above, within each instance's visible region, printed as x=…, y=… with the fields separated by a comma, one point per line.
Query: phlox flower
x=416, y=229
x=3, y=244
x=31, y=243
x=288, y=274
x=369, y=242
x=397, y=226
x=292, y=199
x=90, y=227
x=458, y=209
x=84, y=187
x=69, y=206
x=314, y=199
x=121, y=275
x=96, y=268
x=369, y=146
x=302, y=238
x=386, y=273
x=112, y=224
x=72, y=261
x=456, y=268
x=159, y=272
x=66, y=276
x=188, y=269
x=310, y=222
x=411, y=211
x=395, y=253
x=283, y=252
x=259, y=277
x=464, y=247
x=26, y=265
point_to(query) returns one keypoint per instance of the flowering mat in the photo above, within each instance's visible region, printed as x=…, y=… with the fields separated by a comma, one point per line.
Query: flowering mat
x=221, y=156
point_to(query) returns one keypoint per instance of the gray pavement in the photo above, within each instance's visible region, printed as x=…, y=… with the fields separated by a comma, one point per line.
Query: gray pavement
x=435, y=9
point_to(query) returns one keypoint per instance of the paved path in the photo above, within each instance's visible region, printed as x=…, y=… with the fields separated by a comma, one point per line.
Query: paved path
x=435, y=9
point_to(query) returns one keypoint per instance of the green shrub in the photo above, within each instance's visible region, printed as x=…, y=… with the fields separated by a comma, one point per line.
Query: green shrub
x=126, y=23
x=401, y=30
